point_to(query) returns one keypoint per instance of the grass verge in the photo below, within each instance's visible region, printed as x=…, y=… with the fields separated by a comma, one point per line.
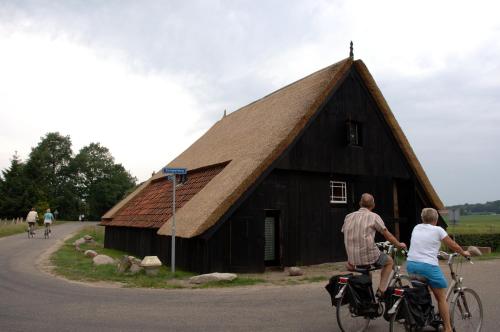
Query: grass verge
x=74, y=265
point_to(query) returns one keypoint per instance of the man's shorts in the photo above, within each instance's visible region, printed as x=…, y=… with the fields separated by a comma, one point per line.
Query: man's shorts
x=433, y=274
x=379, y=263
x=31, y=223
x=382, y=260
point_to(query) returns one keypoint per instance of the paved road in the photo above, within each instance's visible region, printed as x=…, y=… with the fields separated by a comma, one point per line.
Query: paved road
x=31, y=300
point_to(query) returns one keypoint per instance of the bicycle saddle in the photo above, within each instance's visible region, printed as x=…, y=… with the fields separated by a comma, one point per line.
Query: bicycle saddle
x=418, y=280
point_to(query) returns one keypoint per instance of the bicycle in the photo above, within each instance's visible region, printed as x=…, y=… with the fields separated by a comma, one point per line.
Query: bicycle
x=47, y=232
x=31, y=231
x=352, y=315
x=466, y=310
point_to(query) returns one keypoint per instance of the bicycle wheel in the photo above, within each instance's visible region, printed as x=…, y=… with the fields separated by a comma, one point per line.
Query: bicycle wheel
x=398, y=322
x=347, y=320
x=466, y=311
x=46, y=234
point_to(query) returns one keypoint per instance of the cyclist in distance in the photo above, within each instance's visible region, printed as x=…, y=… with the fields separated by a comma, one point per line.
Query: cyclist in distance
x=422, y=259
x=359, y=239
x=31, y=218
x=48, y=218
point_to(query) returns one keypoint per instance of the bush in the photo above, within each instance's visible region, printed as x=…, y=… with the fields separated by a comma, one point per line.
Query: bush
x=491, y=240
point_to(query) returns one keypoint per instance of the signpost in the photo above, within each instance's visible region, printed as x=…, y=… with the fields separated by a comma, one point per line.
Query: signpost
x=172, y=174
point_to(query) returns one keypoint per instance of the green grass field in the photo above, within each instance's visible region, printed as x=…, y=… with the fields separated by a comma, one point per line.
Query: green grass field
x=475, y=224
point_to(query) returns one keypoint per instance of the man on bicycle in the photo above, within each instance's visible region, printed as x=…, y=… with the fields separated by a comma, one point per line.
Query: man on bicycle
x=422, y=260
x=359, y=238
x=31, y=218
x=48, y=218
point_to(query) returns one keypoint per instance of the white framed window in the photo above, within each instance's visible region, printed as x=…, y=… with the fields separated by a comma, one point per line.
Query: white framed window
x=338, y=192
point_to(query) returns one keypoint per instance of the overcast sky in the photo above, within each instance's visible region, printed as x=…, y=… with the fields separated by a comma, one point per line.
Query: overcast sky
x=147, y=78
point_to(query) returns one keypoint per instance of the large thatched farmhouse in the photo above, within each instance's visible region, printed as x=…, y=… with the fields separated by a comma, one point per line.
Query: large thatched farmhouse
x=271, y=183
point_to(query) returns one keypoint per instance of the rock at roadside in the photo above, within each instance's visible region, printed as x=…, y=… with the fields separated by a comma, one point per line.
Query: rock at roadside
x=90, y=253
x=88, y=239
x=216, y=276
x=124, y=264
x=295, y=271
x=103, y=260
x=151, y=265
x=135, y=269
x=79, y=242
x=474, y=251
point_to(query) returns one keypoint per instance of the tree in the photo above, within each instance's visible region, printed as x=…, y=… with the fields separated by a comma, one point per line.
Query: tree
x=15, y=201
x=48, y=170
x=99, y=181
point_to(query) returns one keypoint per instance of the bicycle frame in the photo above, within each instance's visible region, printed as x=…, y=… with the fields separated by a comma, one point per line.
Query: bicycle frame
x=456, y=280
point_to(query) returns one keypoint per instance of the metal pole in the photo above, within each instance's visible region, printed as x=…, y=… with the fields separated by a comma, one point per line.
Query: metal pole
x=173, y=224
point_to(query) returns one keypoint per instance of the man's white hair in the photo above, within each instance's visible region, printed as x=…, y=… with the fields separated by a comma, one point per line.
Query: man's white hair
x=429, y=215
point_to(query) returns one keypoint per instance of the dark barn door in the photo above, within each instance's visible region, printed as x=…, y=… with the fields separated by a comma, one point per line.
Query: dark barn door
x=272, y=243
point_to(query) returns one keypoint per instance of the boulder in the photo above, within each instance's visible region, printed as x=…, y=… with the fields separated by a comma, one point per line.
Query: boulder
x=474, y=251
x=124, y=264
x=295, y=271
x=88, y=238
x=90, y=253
x=134, y=260
x=216, y=276
x=103, y=260
x=135, y=269
x=78, y=242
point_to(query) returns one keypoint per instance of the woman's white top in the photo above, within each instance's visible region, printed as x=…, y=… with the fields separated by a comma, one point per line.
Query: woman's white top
x=425, y=243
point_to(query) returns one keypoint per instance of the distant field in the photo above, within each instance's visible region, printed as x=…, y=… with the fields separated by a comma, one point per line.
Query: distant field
x=474, y=224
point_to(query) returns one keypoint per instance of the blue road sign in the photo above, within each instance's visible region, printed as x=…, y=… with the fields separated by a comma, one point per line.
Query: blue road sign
x=168, y=170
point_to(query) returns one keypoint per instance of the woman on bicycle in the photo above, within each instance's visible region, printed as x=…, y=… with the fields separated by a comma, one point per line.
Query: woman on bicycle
x=422, y=259
x=48, y=218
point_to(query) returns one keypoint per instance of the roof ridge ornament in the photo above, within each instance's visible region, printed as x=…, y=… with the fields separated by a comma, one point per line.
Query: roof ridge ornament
x=224, y=114
x=351, y=51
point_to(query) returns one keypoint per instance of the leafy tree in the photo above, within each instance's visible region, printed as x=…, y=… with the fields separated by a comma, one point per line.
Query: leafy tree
x=15, y=201
x=48, y=170
x=99, y=181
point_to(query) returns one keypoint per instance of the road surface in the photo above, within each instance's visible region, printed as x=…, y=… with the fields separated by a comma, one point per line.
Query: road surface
x=33, y=300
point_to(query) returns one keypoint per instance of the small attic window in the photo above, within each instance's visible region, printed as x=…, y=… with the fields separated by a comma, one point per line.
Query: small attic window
x=338, y=192
x=354, y=133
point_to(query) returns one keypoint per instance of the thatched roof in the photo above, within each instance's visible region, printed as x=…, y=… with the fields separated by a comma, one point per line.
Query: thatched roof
x=253, y=137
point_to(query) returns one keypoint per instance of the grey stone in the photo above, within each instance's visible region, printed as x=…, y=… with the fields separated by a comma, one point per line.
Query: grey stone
x=91, y=253
x=295, y=271
x=79, y=242
x=474, y=251
x=88, y=238
x=103, y=260
x=135, y=269
x=216, y=276
x=124, y=264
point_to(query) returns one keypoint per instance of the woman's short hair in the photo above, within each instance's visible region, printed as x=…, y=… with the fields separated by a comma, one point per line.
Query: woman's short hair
x=429, y=215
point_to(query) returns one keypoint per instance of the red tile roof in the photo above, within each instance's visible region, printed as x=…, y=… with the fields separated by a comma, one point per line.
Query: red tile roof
x=153, y=206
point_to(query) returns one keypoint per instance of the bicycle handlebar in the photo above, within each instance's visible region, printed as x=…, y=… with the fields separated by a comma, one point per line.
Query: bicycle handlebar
x=390, y=248
x=451, y=256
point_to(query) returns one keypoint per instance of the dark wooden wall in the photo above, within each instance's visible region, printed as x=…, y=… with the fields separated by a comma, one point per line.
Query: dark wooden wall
x=299, y=185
